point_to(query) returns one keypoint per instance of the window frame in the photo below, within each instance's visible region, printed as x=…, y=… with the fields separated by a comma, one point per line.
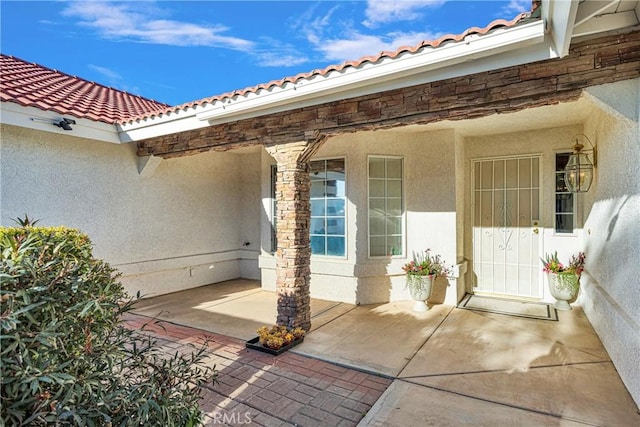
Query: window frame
x=346, y=213
x=403, y=214
x=574, y=212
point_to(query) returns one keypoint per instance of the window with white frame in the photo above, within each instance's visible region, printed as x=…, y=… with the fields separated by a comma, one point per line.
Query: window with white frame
x=564, y=214
x=386, y=206
x=328, y=207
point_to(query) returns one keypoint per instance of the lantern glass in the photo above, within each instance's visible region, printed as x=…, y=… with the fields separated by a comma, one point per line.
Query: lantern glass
x=578, y=174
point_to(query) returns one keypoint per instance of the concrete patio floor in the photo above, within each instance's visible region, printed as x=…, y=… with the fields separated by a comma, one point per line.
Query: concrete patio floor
x=447, y=366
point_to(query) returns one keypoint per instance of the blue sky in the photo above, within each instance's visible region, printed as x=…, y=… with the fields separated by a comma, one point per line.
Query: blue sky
x=176, y=52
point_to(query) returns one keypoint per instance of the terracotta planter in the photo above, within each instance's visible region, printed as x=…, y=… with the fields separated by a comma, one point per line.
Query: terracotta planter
x=564, y=288
x=420, y=290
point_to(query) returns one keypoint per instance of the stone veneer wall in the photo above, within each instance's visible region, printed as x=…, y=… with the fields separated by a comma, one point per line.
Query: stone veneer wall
x=293, y=213
x=592, y=62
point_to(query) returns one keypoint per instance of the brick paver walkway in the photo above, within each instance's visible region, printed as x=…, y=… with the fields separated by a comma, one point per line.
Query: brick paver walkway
x=259, y=389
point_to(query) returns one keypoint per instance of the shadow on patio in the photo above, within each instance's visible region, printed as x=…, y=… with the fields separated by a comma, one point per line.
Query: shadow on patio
x=448, y=366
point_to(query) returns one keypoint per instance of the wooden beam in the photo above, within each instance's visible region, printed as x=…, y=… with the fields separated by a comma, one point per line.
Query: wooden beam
x=610, y=22
x=589, y=9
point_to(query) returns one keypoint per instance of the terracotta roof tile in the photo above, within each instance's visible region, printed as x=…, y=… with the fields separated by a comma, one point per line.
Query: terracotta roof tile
x=499, y=23
x=33, y=85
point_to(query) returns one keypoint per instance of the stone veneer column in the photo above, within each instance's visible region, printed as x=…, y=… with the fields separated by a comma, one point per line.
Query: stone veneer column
x=293, y=216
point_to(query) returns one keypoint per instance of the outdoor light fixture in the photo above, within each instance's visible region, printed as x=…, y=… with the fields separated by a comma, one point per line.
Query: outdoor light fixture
x=62, y=123
x=578, y=174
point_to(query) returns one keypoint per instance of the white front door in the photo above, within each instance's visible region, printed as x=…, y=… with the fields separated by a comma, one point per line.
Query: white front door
x=506, y=234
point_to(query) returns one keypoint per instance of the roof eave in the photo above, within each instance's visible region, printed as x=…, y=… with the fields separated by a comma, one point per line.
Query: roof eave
x=503, y=47
x=408, y=67
x=23, y=116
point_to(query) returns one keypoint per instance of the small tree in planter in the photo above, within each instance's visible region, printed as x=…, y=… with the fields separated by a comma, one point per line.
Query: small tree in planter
x=66, y=357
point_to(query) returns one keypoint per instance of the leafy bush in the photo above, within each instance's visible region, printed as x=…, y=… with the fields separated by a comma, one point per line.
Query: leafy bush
x=67, y=358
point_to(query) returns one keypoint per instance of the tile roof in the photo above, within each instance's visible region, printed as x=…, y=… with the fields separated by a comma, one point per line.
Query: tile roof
x=33, y=85
x=498, y=23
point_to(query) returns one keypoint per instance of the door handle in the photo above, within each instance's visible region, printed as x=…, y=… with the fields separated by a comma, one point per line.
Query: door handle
x=536, y=231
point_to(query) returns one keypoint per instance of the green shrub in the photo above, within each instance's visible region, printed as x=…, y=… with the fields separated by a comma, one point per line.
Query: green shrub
x=67, y=358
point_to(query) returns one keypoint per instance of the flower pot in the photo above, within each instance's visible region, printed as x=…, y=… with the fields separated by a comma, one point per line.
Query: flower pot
x=564, y=288
x=420, y=290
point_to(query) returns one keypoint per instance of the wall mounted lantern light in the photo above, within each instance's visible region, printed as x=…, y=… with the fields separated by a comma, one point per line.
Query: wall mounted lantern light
x=578, y=174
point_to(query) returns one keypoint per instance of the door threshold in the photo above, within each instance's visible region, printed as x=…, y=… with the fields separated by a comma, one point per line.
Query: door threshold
x=507, y=297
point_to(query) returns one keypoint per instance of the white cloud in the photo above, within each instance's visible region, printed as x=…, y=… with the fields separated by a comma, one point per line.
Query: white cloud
x=134, y=21
x=517, y=6
x=278, y=60
x=313, y=28
x=278, y=54
x=383, y=11
x=358, y=45
x=339, y=41
x=113, y=79
x=354, y=47
x=398, y=39
x=109, y=74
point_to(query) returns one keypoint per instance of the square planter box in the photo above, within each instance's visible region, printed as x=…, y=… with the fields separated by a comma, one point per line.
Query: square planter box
x=255, y=344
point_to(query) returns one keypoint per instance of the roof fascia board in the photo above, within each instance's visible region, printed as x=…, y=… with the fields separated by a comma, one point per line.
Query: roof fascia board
x=603, y=23
x=18, y=115
x=459, y=54
x=560, y=15
x=506, y=59
x=185, y=120
x=168, y=123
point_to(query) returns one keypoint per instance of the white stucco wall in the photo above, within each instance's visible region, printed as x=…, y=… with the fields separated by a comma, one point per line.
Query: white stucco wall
x=430, y=204
x=181, y=227
x=611, y=285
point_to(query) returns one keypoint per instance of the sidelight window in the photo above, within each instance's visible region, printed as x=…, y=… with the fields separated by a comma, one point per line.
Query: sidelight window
x=386, y=206
x=565, y=206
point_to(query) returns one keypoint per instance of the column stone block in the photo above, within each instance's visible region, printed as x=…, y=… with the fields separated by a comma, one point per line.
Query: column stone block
x=293, y=217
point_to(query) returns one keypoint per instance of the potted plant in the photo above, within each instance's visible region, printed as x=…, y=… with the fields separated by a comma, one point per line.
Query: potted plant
x=564, y=281
x=276, y=339
x=420, y=273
